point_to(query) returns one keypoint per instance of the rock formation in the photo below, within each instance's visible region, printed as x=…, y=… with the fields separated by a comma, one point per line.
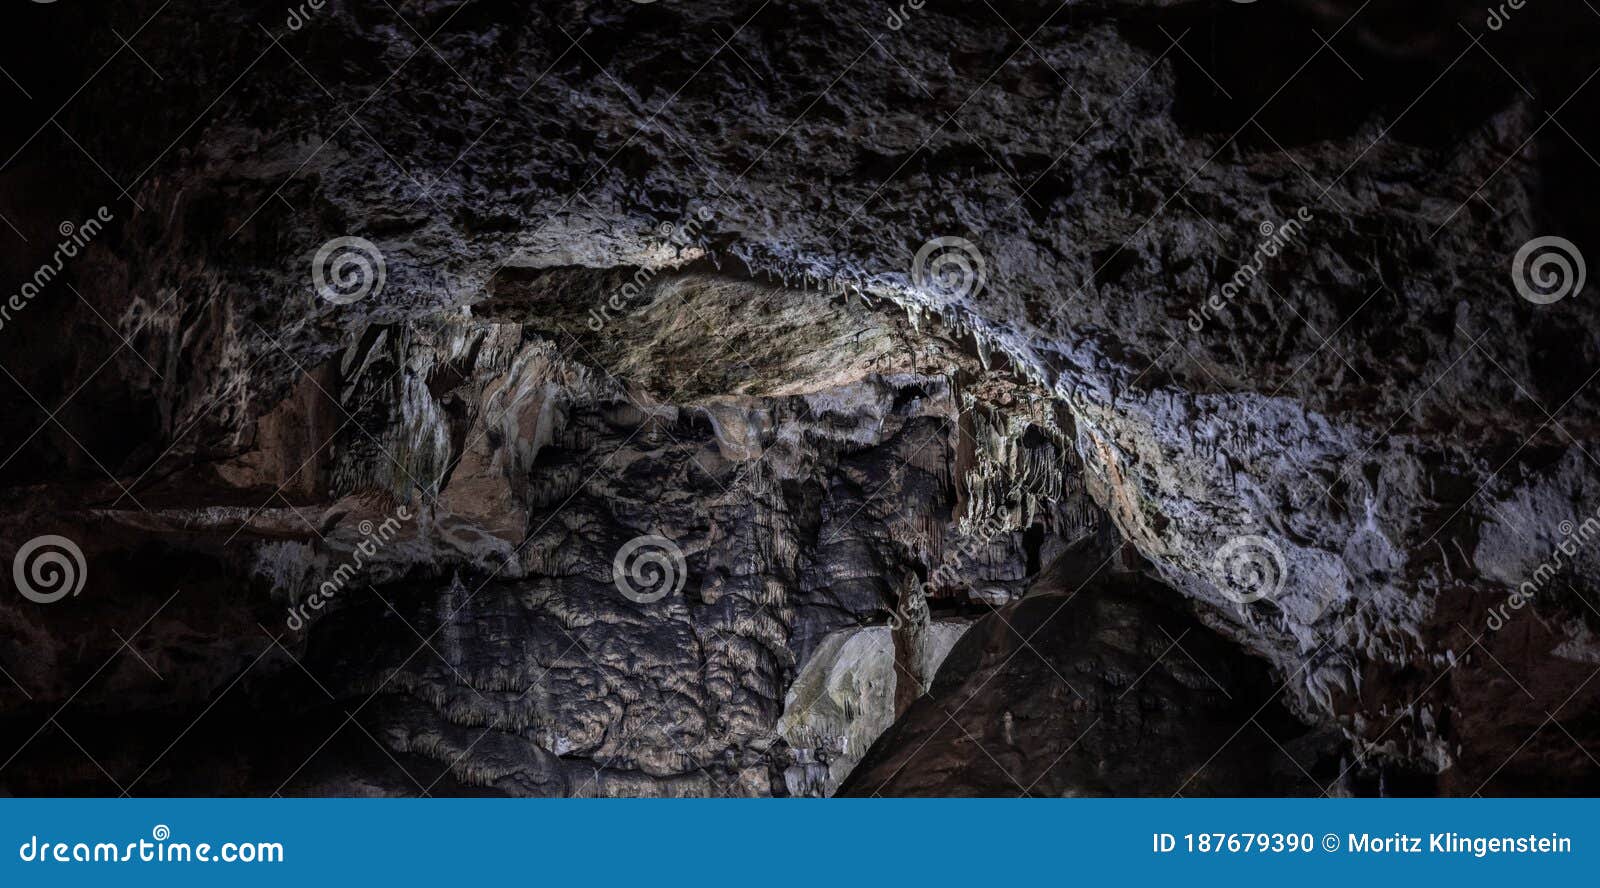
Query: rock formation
x=354, y=345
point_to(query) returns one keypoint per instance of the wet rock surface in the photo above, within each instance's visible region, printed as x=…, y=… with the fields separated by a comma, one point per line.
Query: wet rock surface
x=1248, y=303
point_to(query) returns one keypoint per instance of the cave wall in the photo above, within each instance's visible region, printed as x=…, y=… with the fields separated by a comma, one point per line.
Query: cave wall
x=1374, y=416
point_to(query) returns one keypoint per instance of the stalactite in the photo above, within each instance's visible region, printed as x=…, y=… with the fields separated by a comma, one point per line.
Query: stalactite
x=450, y=603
